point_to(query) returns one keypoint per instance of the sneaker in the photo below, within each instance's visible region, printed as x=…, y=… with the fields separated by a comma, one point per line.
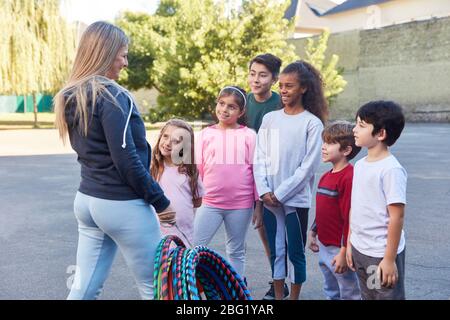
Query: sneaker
x=270, y=295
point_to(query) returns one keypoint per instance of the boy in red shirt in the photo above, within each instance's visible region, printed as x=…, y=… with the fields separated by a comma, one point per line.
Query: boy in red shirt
x=332, y=213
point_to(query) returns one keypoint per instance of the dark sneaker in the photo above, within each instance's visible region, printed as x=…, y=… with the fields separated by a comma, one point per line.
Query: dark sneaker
x=270, y=295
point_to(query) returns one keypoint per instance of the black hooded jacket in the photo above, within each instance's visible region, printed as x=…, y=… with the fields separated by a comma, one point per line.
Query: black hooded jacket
x=115, y=155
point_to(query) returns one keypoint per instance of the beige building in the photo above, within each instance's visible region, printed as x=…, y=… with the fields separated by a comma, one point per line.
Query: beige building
x=314, y=16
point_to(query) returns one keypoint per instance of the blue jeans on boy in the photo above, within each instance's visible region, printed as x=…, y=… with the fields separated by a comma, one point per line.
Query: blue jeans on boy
x=336, y=286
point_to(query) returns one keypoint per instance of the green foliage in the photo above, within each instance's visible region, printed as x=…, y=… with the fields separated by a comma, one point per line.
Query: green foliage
x=331, y=74
x=36, y=47
x=199, y=46
x=141, y=28
x=189, y=50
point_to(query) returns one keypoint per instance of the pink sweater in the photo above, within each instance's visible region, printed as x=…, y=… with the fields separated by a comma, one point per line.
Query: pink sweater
x=225, y=163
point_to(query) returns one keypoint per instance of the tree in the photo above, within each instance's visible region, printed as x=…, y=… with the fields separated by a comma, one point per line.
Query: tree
x=141, y=28
x=199, y=46
x=189, y=50
x=38, y=46
x=7, y=27
x=315, y=54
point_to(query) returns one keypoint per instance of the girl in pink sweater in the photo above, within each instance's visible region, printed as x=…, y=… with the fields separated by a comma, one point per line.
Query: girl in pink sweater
x=224, y=155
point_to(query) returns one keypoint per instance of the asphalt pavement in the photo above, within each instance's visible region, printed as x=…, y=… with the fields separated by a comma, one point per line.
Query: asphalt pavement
x=38, y=231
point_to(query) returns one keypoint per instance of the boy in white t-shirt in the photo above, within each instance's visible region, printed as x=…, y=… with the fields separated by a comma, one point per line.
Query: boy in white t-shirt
x=377, y=250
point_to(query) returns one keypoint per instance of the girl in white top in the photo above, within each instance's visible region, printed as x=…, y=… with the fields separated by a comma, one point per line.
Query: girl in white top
x=286, y=159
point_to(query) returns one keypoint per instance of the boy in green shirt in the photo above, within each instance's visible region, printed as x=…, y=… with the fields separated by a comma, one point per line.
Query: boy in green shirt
x=263, y=74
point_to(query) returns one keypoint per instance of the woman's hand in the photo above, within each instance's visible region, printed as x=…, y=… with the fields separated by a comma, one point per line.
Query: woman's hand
x=167, y=216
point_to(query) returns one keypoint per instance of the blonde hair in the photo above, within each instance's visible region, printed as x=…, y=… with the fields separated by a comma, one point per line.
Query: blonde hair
x=96, y=53
x=189, y=169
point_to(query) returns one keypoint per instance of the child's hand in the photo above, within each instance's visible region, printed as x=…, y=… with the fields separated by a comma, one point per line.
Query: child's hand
x=349, y=257
x=313, y=246
x=387, y=272
x=340, y=262
x=270, y=200
x=267, y=199
x=275, y=200
x=257, y=219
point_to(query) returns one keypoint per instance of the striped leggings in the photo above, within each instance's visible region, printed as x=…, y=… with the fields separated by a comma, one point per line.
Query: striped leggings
x=286, y=229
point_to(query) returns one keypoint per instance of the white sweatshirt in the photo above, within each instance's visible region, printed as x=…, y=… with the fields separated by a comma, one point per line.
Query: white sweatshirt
x=287, y=156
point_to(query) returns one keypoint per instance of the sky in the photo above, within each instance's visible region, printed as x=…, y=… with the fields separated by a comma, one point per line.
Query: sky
x=89, y=11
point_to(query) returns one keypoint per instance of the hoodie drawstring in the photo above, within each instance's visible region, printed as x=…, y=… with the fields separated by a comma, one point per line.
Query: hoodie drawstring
x=124, y=144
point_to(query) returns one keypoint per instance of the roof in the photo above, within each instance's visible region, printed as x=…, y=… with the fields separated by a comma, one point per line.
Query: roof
x=351, y=5
x=319, y=7
x=292, y=10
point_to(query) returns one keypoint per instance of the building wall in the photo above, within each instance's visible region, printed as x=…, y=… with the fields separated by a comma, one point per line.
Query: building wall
x=376, y=16
x=408, y=63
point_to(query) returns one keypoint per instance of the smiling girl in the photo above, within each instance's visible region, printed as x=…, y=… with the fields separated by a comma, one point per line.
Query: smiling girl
x=224, y=160
x=174, y=168
x=287, y=156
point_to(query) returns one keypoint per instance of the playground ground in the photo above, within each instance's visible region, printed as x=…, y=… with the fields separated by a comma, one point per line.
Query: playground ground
x=38, y=231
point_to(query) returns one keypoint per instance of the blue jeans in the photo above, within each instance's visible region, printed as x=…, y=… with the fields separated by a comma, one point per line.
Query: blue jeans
x=344, y=286
x=104, y=225
x=208, y=220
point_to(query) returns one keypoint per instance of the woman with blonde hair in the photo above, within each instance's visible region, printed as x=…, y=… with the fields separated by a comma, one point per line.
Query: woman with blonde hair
x=117, y=198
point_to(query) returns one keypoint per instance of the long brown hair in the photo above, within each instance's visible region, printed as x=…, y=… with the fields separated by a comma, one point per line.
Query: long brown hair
x=310, y=78
x=187, y=166
x=97, y=50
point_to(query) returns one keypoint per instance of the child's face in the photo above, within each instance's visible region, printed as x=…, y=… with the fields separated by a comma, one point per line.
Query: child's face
x=260, y=79
x=290, y=90
x=227, y=110
x=331, y=152
x=171, y=141
x=363, y=134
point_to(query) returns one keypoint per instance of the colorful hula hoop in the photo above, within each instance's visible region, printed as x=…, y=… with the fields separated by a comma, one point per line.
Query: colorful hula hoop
x=182, y=274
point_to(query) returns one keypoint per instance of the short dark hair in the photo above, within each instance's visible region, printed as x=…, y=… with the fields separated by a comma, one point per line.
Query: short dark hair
x=341, y=132
x=271, y=62
x=386, y=115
